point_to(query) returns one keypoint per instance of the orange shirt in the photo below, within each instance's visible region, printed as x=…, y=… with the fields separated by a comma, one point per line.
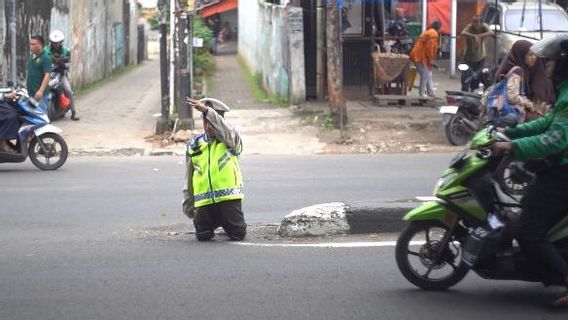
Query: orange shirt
x=425, y=49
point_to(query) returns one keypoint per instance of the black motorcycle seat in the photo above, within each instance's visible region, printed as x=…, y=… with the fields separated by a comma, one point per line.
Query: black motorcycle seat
x=463, y=93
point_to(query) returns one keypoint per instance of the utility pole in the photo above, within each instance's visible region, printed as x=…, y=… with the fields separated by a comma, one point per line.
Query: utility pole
x=12, y=11
x=163, y=123
x=185, y=120
x=173, y=9
x=337, y=106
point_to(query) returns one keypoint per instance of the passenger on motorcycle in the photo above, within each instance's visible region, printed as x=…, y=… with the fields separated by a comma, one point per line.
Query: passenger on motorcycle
x=545, y=202
x=8, y=122
x=61, y=55
x=528, y=86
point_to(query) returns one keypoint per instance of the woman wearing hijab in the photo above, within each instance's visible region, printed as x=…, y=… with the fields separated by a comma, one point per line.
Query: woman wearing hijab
x=8, y=122
x=528, y=86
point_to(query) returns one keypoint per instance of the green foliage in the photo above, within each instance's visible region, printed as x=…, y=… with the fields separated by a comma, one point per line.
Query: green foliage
x=328, y=122
x=255, y=83
x=154, y=21
x=202, y=59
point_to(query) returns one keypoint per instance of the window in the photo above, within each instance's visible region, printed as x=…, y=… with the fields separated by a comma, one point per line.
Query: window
x=552, y=20
x=352, y=17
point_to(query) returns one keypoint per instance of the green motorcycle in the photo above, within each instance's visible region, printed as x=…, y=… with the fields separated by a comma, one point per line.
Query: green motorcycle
x=470, y=223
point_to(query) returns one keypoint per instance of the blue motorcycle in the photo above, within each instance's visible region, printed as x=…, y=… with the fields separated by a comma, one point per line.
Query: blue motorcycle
x=37, y=139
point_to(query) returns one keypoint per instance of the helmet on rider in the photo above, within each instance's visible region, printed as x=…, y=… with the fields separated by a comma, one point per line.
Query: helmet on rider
x=56, y=38
x=554, y=50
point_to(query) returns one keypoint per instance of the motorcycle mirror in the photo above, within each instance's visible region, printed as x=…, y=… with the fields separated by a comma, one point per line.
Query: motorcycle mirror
x=463, y=67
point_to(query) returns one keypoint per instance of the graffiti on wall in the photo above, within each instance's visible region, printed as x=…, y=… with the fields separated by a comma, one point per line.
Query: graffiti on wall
x=87, y=26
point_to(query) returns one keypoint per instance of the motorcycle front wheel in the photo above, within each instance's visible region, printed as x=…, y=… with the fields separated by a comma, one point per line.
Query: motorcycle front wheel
x=424, y=261
x=457, y=132
x=510, y=180
x=50, y=154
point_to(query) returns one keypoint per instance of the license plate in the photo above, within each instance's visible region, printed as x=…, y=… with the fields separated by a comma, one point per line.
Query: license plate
x=449, y=109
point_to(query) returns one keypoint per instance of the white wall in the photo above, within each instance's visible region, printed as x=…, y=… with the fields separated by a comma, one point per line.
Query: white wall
x=248, y=32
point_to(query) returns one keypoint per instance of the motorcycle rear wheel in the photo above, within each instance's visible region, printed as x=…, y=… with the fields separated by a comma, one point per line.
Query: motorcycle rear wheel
x=56, y=150
x=427, y=248
x=456, y=131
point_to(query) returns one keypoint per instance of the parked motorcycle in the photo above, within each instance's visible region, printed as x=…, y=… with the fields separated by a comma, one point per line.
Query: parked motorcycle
x=462, y=114
x=403, y=42
x=37, y=139
x=469, y=225
x=60, y=102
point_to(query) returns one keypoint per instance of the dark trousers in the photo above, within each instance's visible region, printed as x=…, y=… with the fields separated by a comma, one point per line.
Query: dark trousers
x=227, y=214
x=473, y=67
x=544, y=205
x=69, y=92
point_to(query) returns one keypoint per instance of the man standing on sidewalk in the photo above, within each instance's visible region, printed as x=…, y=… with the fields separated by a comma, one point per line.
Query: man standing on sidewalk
x=39, y=66
x=474, y=55
x=214, y=185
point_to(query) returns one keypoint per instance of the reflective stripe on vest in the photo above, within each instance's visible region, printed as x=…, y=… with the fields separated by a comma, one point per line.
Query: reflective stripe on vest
x=218, y=194
x=217, y=175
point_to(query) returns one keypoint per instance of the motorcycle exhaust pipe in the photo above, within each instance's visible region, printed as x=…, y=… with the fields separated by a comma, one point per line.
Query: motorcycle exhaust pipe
x=470, y=126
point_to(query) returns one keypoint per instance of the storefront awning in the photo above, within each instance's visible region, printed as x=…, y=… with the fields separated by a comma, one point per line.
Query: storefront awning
x=220, y=7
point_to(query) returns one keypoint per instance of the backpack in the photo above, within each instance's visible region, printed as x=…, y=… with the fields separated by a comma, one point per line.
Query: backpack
x=497, y=105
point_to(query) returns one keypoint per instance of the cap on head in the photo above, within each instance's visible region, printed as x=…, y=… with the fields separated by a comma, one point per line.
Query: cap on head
x=56, y=36
x=216, y=105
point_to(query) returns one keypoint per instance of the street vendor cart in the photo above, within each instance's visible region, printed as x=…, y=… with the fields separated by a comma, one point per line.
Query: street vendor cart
x=390, y=72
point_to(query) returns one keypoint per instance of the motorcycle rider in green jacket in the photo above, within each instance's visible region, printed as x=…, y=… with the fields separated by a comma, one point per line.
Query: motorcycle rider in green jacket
x=61, y=55
x=546, y=201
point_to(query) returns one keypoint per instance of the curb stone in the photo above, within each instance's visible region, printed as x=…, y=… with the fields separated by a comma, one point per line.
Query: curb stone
x=340, y=218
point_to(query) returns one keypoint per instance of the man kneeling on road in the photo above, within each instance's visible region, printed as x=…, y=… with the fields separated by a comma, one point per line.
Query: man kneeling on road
x=214, y=185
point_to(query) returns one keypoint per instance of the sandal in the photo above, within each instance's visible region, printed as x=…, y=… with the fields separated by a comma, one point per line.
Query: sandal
x=561, y=301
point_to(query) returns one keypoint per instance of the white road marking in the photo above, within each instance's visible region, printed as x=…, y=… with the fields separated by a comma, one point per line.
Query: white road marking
x=328, y=245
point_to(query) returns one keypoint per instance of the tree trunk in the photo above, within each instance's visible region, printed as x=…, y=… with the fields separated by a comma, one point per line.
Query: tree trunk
x=337, y=107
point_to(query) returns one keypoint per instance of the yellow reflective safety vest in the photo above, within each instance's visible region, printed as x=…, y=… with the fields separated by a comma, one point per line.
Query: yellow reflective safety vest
x=216, y=172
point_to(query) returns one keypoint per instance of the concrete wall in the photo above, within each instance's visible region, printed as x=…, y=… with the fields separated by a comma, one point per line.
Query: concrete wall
x=89, y=27
x=133, y=36
x=248, y=32
x=267, y=44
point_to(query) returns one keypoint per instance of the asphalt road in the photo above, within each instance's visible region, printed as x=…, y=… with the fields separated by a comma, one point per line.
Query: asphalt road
x=183, y=279
x=104, y=238
x=111, y=192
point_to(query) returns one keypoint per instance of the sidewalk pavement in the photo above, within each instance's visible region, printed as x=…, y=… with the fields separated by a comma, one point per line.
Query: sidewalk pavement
x=116, y=115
